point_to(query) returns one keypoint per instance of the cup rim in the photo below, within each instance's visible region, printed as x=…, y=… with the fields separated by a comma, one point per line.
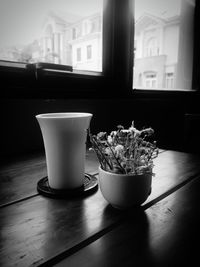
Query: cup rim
x=63, y=115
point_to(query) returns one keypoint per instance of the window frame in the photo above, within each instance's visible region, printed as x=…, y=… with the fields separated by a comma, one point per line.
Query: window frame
x=118, y=50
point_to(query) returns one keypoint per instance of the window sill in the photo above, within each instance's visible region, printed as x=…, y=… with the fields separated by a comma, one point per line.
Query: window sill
x=162, y=90
x=164, y=93
x=12, y=64
x=42, y=81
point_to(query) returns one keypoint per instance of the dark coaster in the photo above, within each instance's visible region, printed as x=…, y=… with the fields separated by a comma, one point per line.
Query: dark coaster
x=89, y=186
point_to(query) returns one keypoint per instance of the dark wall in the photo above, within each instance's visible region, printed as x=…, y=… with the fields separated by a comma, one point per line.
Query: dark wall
x=20, y=132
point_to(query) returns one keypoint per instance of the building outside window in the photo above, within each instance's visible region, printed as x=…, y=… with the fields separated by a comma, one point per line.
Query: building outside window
x=164, y=37
x=60, y=29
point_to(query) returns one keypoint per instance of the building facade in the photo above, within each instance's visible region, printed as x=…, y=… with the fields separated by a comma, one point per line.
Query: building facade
x=163, y=52
x=78, y=44
x=156, y=52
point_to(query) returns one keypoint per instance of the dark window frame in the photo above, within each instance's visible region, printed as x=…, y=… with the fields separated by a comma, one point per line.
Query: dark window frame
x=116, y=77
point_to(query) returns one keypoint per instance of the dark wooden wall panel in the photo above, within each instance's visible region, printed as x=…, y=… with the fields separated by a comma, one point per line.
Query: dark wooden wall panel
x=20, y=131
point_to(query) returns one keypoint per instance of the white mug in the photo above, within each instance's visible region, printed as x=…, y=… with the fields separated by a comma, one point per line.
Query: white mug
x=64, y=136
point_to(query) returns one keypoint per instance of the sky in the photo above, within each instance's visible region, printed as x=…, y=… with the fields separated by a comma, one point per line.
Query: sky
x=21, y=20
x=157, y=7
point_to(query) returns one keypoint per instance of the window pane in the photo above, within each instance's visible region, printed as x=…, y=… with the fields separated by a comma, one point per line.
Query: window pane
x=163, y=44
x=53, y=31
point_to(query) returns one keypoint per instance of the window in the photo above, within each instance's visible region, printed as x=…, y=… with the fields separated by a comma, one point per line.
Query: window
x=152, y=48
x=116, y=55
x=73, y=33
x=49, y=31
x=89, y=51
x=150, y=80
x=164, y=37
x=54, y=78
x=169, y=80
x=78, y=53
x=87, y=26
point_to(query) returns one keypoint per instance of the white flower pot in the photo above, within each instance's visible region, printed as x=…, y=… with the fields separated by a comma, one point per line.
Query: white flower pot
x=64, y=136
x=123, y=191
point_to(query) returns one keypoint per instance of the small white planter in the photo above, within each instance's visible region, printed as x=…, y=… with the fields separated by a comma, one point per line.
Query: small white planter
x=124, y=191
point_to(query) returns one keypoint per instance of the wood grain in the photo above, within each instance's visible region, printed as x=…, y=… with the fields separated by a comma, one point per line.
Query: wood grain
x=172, y=169
x=18, y=180
x=166, y=234
x=40, y=230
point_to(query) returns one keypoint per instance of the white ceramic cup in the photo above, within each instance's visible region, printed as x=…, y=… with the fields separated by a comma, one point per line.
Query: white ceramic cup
x=64, y=136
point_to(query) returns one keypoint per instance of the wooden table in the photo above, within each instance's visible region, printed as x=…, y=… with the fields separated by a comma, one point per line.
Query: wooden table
x=86, y=231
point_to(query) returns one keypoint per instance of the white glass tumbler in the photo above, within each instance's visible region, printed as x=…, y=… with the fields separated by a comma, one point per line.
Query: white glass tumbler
x=64, y=136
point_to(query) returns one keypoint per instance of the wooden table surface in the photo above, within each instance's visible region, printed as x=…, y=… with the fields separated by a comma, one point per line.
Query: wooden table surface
x=87, y=231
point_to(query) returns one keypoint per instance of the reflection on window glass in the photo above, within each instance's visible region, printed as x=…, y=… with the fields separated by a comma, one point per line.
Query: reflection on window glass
x=52, y=31
x=163, y=51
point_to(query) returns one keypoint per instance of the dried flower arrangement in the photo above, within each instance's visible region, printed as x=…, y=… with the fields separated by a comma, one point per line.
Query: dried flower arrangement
x=125, y=151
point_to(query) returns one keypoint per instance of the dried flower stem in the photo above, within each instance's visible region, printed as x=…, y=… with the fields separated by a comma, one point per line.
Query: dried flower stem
x=120, y=166
x=99, y=151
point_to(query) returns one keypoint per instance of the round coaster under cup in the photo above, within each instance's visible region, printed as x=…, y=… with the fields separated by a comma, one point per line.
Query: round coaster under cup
x=90, y=185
